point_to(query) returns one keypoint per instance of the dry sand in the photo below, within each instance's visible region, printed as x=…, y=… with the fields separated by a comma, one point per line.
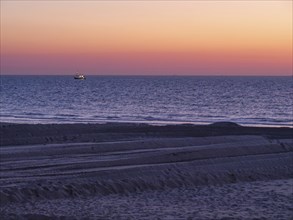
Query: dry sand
x=136, y=171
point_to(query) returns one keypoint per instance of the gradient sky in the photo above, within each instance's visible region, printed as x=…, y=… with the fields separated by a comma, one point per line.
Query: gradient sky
x=147, y=37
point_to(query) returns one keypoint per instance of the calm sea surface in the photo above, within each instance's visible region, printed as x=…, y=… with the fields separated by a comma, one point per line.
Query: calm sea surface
x=61, y=99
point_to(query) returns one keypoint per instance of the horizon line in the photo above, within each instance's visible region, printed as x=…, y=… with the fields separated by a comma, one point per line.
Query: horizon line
x=147, y=75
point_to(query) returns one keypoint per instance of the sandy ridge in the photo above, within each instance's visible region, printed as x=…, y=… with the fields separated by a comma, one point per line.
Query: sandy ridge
x=145, y=172
x=36, y=177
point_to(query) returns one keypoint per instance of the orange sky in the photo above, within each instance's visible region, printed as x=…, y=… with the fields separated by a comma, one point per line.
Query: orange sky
x=147, y=37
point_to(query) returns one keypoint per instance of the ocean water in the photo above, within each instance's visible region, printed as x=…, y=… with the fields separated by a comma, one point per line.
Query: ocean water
x=257, y=101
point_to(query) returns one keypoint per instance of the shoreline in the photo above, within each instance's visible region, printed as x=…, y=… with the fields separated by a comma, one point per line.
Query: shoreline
x=141, y=171
x=23, y=134
x=153, y=123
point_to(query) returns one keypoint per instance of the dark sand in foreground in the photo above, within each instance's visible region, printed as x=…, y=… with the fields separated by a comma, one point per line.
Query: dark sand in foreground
x=139, y=171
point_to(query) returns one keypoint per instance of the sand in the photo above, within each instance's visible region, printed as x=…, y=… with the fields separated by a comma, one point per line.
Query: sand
x=139, y=171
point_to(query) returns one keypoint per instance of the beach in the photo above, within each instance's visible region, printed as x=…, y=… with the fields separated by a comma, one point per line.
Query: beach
x=141, y=171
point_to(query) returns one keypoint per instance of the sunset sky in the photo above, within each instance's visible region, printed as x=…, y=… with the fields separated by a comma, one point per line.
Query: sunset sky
x=146, y=37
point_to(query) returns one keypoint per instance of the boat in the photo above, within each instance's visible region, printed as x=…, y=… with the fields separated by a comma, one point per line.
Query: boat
x=79, y=76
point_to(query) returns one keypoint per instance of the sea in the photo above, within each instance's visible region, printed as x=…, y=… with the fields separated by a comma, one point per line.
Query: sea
x=253, y=101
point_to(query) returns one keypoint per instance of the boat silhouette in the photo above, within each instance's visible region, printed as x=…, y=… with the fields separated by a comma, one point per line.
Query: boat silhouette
x=79, y=76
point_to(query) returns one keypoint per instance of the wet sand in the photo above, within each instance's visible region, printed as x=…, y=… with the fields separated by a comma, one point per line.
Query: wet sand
x=139, y=171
